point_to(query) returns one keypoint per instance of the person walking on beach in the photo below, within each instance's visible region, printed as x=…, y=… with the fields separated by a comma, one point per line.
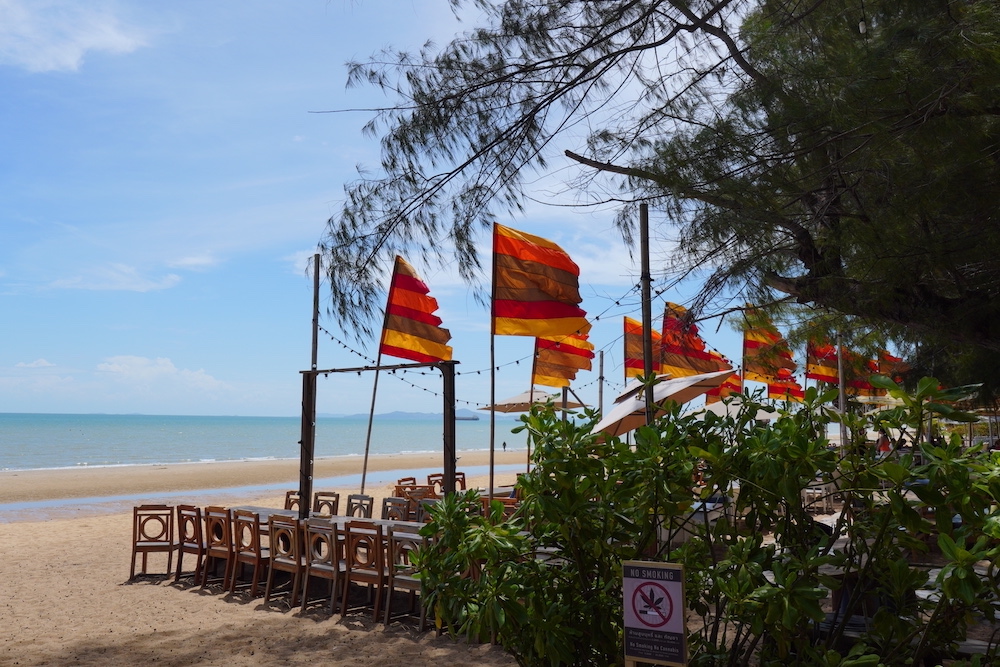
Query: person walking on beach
x=504, y=445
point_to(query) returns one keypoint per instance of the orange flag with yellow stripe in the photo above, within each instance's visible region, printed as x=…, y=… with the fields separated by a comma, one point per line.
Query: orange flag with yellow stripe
x=412, y=330
x=536, y=287
x=559, y=358
x=634, y=365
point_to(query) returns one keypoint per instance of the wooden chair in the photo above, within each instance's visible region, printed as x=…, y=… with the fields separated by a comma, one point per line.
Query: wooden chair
x=414, y=493
x=247, y=549
x=436, y=480
x=190, y=539
x=364, y=560
x=359, y=505
x=152, y=532
x=401, y=572
x=405, y=481
x=218, y=543
x=424, y=509
x=323, y=558
x=397, y=509
x=292, y=500
x=326, y=502
x=286, y=553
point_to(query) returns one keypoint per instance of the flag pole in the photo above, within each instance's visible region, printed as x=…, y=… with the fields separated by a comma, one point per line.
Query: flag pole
x=841, y=399
x=600, y=383
x=647, y=314
x=531, y=400
x=493, y=363
x=371, y=418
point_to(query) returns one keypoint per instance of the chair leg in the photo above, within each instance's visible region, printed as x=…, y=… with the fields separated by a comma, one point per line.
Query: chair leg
x=267, y=588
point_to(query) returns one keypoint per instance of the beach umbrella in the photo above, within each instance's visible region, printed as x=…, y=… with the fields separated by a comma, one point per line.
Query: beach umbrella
x=524, y=401
x=732, y=407
x=629, y=411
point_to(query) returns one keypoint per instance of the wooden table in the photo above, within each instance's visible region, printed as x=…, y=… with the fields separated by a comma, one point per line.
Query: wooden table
x=267, y=512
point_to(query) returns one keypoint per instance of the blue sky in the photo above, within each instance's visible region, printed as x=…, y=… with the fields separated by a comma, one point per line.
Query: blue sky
x=164, y=184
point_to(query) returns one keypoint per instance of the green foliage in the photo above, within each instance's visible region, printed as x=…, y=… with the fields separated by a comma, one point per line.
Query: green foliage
x=546, y=583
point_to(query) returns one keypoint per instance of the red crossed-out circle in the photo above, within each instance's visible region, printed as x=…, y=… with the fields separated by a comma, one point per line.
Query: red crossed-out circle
x=645, y=597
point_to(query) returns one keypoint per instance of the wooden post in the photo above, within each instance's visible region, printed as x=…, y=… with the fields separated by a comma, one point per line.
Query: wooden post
x=307, y=445
x=448, y=390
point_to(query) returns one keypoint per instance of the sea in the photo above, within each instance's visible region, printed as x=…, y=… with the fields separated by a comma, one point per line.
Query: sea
x=67, y=441
x=45, y=441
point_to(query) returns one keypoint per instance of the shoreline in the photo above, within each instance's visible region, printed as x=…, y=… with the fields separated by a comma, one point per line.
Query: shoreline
x=19, y=486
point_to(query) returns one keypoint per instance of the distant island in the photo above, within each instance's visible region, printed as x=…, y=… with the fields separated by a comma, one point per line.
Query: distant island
x=461, y=414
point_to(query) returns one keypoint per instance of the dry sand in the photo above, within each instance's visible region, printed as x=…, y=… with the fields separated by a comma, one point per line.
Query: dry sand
x=65, y=598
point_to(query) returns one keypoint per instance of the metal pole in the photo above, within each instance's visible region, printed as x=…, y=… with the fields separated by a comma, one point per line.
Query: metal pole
x=600, y=382
x=448, y=390
x=371, y=419
x=647, y=315
x=842, y=398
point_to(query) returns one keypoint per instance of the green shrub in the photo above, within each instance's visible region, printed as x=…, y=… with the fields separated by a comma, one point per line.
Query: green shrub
x=546, y=583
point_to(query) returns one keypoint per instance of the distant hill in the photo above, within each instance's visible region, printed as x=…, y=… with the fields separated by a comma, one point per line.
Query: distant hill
x=462, y=414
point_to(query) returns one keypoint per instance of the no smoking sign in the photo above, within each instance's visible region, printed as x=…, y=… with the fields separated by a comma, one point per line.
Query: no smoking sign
x=654, y=612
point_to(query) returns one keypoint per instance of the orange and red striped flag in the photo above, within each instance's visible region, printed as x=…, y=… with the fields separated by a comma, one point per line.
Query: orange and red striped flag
x=557, y=359
x=536, y=287
x=733, y=386
x=784, y=387
x=412, y=330
x=892, y=367
x=682, y=351
x=765, y=351
x=857, y=373
x=821, y=362
x=634, y=365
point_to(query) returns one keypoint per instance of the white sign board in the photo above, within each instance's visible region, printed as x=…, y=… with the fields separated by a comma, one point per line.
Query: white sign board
x=655, y=630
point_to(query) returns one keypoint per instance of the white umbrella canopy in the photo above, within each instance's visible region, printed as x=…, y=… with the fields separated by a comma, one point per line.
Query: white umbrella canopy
x=524, y=401
x=732, y=407
x=630, y=412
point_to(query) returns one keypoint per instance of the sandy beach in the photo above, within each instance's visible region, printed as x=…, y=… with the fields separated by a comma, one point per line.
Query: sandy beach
x=67, y=599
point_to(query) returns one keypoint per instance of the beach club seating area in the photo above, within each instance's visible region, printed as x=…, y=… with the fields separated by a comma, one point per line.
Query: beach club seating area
x=341, y=562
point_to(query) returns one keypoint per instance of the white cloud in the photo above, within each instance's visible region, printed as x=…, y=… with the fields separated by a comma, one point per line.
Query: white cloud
x=195, y=262
x=56, y=35
x=37, y=363
x=146, y=373
x=301, y=262
x=117, y=277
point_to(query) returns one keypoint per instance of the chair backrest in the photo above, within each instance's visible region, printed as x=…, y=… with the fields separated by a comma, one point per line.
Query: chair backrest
x=397, y=509
x=436, y=480
x=285, y=539
x=326, y=502
x=403, y=481
x=292, y=500
x=360, y=505
x=219, y=529
x=364, y=547
x=400, y=544
x=460, y=481
x=424, y=509
x=322, y=546
x=189, y=527
x=246, y=533
x=153, y=525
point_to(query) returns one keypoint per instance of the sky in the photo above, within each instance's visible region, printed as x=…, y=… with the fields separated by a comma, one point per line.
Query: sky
x=164, y=184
